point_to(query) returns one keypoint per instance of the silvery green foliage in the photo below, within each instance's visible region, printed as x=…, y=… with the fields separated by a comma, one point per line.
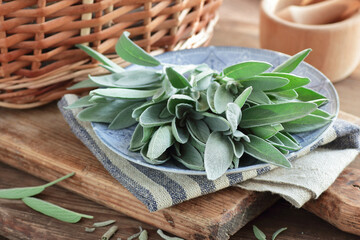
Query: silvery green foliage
x=201, y=118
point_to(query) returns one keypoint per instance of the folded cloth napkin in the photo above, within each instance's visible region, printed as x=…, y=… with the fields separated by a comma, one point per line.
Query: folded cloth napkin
x=311, y=175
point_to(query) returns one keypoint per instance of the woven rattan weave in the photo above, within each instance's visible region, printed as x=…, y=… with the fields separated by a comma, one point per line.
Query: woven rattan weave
x=37, y=37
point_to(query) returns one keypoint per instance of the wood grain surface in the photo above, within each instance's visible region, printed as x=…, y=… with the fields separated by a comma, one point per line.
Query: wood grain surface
x=238, y=26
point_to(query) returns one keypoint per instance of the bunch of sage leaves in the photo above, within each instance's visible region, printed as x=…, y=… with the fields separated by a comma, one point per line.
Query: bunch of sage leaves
x=201, y=118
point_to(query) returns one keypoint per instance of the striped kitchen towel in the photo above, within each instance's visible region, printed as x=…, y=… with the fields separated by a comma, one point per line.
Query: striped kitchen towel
x=159, y=190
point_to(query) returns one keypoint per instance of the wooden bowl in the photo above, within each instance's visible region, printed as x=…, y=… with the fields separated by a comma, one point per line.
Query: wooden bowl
x=336, y=46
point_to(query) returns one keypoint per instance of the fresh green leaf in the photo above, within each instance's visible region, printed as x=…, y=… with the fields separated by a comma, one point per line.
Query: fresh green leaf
x=264, y=83
x=180, y=134
x=100, y=57
x=267, y=131
x=294, y=81
x=238, y=135
x=84, y=84
x=238, y=148
x=202, y=104
x=241, y=99
x=258, y=97
x=216, y=123
x=150, y=117
x=287, y=95
x=182, y=109
x=123, y=93
x=130, y=52
x=198, y=129
x=124, y=119
x=203, y=80
x=147, y=134
x=274, y=236
x=290, y=65
x=160, y=160
x=136, y=143
x=218, y=155
x=176, y=79
x=246, y=69
x=54, y=211
x=264, y=151
x=190, y=157
x=308, y=95
x=262, y=115
x=321, y=113
x=221, y=98
x=81, y=102
x=210, y=94
x=233, y=115
x=305, y=124
x=177, y=99
x=160, y=141
x=258, y=233
x=18, y=193
x=287, y=142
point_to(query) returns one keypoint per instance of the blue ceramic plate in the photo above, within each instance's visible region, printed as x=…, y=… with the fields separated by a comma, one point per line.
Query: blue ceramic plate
x=218, y=58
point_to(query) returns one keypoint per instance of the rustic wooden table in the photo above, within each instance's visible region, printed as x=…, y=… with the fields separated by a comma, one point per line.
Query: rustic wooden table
x=238, y=26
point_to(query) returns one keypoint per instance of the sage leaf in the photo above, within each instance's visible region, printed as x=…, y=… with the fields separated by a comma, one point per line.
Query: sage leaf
x=179, y=133
x=264, y=83
x=182, y=109
x=290, y=65
x=160, y=141
x=150, y=117
x=54, y=211
x=258, y=97
x=221, y=98
x=203, y=80
x=177, y=99
x=274, y=236
x=136, y=234
x=100, y=57
x=258, y=233
x=290, y=137
x=287, y=142
x=308, y=95
x=100, y=99
x=124, y=119
x=233, y=115
x=176, y=79
x=84, y=84
x=165, y=114
x=321, y=113
x=216, y=123
x=283, y=151
x=18, y=193
x=198, y=129
x=305, y=124
x=210, y=94
x=202, y=104
x=161, y=234
x=104, y=224
x=143, y=235
x=200, y=146
x=246, y=69
x=238, y=148
x=262, y=115
x=240, y=135
x=218, y=155
x=268, y=131
x=124, y=93
x=139, y=110
x=135, y=142
x=264, y=151
x=190, y=157
x=81, y=102
x=241, y=99
x=294, y=81
x=147, y=133
x=130, y=52
x=160, y=160
x=287, y=95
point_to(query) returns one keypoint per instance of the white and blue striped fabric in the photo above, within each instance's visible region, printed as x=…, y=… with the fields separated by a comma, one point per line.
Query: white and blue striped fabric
x=158, y=189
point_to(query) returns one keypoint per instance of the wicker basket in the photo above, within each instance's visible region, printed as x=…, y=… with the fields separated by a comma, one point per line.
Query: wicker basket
x=37, y=38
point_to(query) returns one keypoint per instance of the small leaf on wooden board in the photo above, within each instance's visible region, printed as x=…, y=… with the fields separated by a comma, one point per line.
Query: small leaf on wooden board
x=267, y=131
x=241, y=99
x=124, y=119
x=198, y=129
x=307, y=123
x=258, y=233
x=81, y=102
x=130, y=79
x=233, y=115
x=180, y=134
x=143, y=235
x=160, y=141
x=135, y=235
x=124, y=93
x=161, y=234
x=190, y=157
x=54, y=211
x=84, y=84
x=130, y=52
x=216, y=123
x=136, y=143
x=274, y=236
x=218, y=155
x=308, y=95
x=264, y=83
x=18, y=193
x=177, y=99
x=264, y=151
x=150, y=117
x=210, y=94
x=258, y=97
x=176, y=79
x=294, y=81
x=104, y=223
x=290, y=64
x=275, y=113
x=246, y=69
x=221, y=98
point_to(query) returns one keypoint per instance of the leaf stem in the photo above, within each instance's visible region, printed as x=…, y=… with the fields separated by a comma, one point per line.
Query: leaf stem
x=60, y=179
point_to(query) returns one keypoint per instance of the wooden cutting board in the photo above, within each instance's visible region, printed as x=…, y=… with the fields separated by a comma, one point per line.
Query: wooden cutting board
x=38, y=141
